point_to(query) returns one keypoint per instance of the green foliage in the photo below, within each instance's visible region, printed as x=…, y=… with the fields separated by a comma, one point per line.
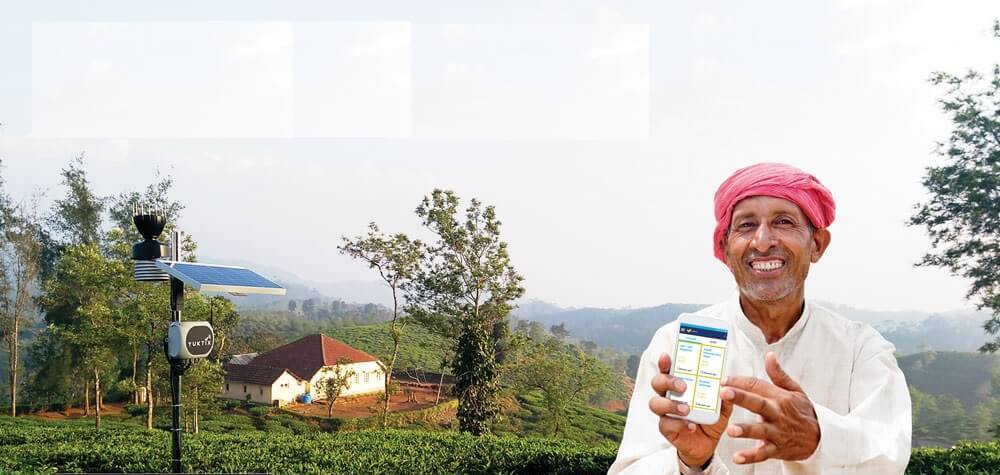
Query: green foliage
x=397, y=260
x=562, y=373
x=942, y=420
x=584, y=423
x=337, y=381
x=259, y=411
x=77, y=217
x=419, y=348
x=465, y=290
x=964, y=459
x=962, y=216
x=37, y=447
x=966, y=376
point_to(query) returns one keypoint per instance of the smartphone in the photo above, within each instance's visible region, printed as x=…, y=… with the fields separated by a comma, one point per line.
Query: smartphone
x=699, y=360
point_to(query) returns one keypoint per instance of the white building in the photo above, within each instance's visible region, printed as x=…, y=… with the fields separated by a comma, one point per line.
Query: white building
x=283, y=374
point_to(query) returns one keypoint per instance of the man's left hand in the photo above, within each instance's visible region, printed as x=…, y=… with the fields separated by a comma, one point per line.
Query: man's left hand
x=788, y=429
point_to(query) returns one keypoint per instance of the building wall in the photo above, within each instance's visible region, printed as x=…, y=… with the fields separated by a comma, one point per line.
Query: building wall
x=287, y=388
x=238, y=390
x=373, y=383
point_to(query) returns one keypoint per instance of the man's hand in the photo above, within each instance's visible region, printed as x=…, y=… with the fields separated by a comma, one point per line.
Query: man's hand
x=695, y=443
x=789, y=429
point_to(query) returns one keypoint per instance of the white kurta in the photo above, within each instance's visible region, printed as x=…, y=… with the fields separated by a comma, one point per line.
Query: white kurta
x=847, y=370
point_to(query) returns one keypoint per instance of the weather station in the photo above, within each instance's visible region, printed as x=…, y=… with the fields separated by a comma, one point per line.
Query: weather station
x=158, y=262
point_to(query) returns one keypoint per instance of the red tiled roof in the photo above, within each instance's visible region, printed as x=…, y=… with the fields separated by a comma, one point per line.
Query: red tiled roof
x=308, y=354
x=254, y=374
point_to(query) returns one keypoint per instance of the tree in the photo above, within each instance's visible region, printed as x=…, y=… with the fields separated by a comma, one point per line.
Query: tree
x=559, y=331
x=291, y=306
x=93, y=283
x=201, y=384
x=75, y=220
x=962, y=216
x=338, y=380
x=465, y=291
x=564, y=375
x=632, y=366
x=20, y=254
x=397, y=260
x=77, y=216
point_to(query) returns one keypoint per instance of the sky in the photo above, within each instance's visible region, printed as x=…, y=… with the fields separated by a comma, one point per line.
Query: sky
x=598, y=129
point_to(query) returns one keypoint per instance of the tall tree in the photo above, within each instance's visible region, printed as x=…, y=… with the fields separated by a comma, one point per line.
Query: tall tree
x=397, y=260
x=308, y=306
x=77, y=216
x=963, y=213
x=201, y=385
x=94, y=284
x=20, y=254
x=465, y=290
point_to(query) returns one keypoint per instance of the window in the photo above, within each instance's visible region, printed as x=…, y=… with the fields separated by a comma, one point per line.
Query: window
x=356, y=378
x=227, y=387
x=367, y=375
x=261, y=391
x=244, y=388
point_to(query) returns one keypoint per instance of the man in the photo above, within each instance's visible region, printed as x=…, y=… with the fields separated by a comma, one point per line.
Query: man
x=807, y=391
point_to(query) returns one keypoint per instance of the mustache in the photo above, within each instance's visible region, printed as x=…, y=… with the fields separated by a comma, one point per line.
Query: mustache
x=751, y=255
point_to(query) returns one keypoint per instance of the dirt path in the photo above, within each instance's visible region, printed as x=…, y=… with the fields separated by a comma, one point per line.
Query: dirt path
x=77, y=412
x=365, y=406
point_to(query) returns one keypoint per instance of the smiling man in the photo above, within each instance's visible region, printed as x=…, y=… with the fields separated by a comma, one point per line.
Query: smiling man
x=808, y=391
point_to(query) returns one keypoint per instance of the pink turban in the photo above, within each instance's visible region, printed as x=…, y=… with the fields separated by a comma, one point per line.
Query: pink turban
x=771, y=179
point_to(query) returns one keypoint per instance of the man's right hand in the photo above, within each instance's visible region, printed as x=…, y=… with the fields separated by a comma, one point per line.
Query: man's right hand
x=695, y=443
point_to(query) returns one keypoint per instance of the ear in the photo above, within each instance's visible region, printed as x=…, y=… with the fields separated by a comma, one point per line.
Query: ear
x=820, y=241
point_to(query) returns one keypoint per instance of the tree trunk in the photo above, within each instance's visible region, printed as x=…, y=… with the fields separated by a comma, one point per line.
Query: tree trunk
x=392, y=360
x=440, y=383
x=13, y=367
x=135, y=367
x=86, y=398
x=197, y=403
x=149, y=392
x=97, y=397
x=329, y=410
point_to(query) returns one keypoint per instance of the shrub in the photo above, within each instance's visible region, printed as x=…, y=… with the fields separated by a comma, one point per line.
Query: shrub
x=135, y=410
x=259, y=411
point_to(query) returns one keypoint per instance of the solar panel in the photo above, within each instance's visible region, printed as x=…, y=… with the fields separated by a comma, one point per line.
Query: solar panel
x=216, y=278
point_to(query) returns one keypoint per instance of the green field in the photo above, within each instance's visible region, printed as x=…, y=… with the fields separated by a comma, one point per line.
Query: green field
x=30, y=446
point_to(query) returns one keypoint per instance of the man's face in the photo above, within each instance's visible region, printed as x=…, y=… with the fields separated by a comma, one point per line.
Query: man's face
x=769, y=247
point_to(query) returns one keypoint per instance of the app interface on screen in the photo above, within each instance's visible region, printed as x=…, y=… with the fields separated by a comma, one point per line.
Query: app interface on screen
x=700, y=352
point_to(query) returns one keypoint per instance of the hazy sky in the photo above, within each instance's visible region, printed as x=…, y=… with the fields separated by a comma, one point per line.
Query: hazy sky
x=599, y=130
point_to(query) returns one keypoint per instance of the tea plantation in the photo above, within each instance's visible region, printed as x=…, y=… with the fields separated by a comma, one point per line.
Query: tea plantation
x=30, y=446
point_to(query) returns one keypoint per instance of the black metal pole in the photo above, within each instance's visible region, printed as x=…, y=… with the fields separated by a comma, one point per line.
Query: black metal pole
x=176, y=368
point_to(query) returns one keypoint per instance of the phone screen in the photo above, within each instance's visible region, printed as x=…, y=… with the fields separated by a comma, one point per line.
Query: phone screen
x=701, y=351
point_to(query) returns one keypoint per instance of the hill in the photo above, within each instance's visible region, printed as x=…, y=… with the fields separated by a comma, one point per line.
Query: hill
x=629, y=330
x=966, y=376
x=622, y=329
